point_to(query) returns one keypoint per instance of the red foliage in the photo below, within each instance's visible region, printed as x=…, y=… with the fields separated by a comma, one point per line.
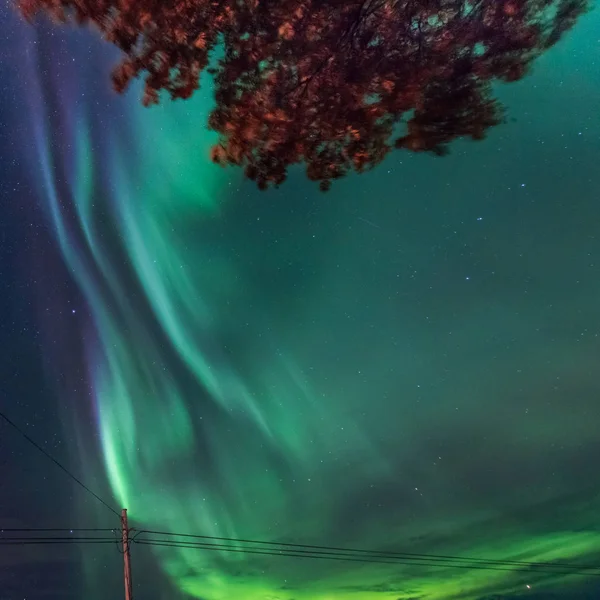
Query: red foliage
x=327, y=83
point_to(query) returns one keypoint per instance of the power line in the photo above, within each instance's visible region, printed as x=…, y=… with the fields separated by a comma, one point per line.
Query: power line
x=57, y=539
x=40, y=529
x=51, y=541
x=342, y=556
x=356, y=558
x=375, y=553
x=59, y=465
x=394, y=556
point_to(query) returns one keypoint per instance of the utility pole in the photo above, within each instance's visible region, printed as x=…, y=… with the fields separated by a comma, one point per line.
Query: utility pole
x=126, y=557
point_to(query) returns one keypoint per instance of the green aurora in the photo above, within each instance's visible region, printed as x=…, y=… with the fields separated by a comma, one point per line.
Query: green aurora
x=389, y=366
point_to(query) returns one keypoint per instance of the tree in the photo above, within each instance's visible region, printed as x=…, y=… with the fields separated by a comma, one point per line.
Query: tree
x=333, y=84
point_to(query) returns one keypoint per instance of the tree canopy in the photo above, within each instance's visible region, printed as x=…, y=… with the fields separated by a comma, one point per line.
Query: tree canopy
x=332, y=84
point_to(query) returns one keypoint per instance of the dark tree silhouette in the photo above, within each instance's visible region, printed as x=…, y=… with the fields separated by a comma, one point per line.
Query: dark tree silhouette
x=334, y=84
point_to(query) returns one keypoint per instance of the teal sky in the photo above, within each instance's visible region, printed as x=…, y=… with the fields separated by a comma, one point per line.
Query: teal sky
x=408, y=362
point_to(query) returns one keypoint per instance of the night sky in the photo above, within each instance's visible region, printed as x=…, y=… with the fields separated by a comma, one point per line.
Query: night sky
x=408, y=362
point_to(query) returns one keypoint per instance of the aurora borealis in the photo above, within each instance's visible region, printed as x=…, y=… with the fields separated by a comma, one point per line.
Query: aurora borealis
x=408, y=362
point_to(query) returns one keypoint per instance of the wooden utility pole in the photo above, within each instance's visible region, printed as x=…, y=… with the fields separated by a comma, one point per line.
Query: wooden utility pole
x=126, y=558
